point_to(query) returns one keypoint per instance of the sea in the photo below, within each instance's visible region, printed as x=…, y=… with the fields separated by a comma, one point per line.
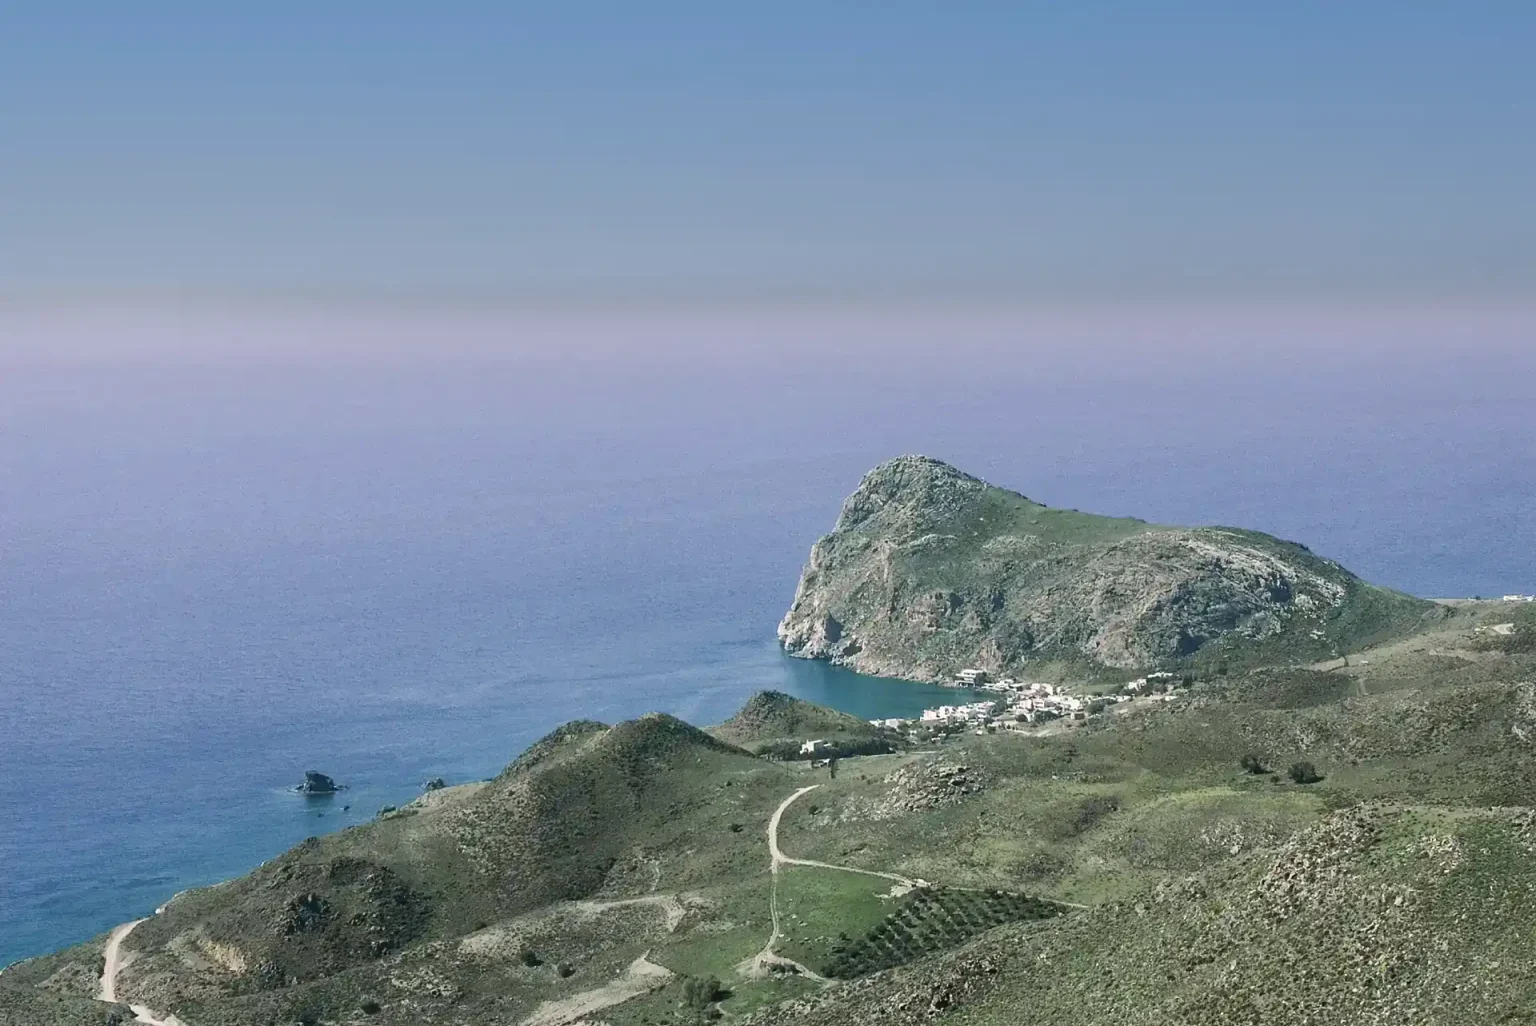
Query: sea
x=241, y=545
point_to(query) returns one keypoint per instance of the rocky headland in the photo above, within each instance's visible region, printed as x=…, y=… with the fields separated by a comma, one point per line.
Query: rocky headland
x=930, y=569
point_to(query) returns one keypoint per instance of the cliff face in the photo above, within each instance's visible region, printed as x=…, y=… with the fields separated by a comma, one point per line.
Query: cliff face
x=929, y=570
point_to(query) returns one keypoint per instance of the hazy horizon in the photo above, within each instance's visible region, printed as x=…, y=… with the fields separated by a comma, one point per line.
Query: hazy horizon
x=152, y=329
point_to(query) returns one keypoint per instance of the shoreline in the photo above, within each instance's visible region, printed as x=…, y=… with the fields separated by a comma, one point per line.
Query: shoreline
x=845, y=693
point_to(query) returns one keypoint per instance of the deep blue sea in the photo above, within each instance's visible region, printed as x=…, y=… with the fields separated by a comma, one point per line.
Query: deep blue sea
x=220, y=573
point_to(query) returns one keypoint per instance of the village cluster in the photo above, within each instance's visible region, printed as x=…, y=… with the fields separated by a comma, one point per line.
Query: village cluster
x=1021, y=705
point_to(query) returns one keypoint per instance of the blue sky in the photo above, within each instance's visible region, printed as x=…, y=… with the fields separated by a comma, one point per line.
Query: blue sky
x=1086, y=151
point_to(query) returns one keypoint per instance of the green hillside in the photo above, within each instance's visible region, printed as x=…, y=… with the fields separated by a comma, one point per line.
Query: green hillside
x=1282, y=845
x=772, y=719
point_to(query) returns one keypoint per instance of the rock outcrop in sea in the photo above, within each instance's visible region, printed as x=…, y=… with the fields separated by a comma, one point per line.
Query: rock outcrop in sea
x=317, y=783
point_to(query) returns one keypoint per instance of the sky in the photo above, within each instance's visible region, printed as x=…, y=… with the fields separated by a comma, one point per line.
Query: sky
x=577, y=151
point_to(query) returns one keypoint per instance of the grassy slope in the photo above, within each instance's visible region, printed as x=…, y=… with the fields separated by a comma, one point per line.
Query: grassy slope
x=816, y=905
x=998, y=512
x=1370, y=614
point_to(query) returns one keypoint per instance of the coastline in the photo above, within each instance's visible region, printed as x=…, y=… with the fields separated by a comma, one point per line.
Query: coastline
x=284, y=817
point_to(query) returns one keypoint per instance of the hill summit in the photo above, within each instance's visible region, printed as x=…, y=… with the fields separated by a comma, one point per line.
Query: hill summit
x=774, y=716
x=930, y=569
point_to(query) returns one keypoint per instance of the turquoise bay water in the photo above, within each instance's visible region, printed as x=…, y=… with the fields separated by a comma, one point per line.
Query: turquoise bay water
x=215, y=578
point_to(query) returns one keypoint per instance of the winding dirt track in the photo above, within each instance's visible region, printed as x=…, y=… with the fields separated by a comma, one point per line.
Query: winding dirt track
x=759, y=965
x=642, y=977
x=113, y=962
x=780, y=859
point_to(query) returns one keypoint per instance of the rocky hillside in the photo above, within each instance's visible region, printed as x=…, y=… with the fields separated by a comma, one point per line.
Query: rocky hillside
x=929, y=570
x=1163, y=865
x=1371, y=916
x=588, y=812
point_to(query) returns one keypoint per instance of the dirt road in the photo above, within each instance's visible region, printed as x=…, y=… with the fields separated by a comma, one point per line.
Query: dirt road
x=113, y=962
x=780, y=859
